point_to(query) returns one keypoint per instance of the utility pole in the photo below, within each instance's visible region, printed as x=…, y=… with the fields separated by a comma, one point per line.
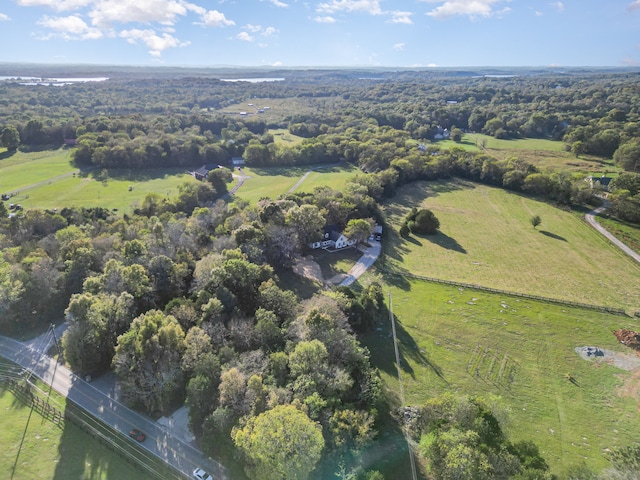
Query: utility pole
x=53, y=331
x=395, y=347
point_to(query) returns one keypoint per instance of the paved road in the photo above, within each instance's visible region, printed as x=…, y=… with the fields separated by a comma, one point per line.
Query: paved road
x=591, y=220
x=369, y=256
x=160, y=441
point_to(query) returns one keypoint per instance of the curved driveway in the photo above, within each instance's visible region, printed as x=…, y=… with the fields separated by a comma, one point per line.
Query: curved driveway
x=591, y=220
x=369, y=256
x=160, y=441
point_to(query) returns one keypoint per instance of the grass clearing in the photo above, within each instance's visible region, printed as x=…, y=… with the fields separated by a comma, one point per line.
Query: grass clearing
x=486, y=238
x=282, y=137
x=470, y=342
x=334, y=177
x=20, y=170
x=336, y=263
x=85, y=191
x=626, y=232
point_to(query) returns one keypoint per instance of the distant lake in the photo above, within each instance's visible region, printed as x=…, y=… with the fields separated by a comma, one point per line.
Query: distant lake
x=253, y=80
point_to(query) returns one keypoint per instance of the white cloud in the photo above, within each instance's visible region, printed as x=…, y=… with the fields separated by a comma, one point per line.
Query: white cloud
x=278, y=3
x=154, y=43
x=472, y=8
x=361, y=6
x=558, y=6
x=214, y=18
x=244, y=36
x=59, y=5
x=3, y=17
x=70, y=28
x=634, y=5
x=252, y=28
x=165, y=12
x=539, y=13
x=269, y=31
x=401, y=17
x=399, y=46
x=326, y=19
x=276, y=64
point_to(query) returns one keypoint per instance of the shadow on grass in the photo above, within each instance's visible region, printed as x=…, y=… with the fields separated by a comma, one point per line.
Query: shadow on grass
x=7, y=154
x=552, y=235
x=382, y=344
x=445, y=241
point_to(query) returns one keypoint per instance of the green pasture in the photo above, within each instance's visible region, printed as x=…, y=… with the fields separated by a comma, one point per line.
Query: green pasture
x=283, y=138
x=52, y=452
x=543, y=153
x=623, y=231
x=274, y=181
x=486, y=238
x=122, y=189
x=21, y=170
x=469, y=342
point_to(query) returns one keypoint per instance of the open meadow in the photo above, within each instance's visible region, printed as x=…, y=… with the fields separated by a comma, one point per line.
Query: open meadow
x=486, y=238
x=120, y=189
x=543, y=153
x=20, y=170
x=275, y=181
x=476, y=343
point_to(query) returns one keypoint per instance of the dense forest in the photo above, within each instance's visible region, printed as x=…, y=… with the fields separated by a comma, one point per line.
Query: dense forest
x=183, y=298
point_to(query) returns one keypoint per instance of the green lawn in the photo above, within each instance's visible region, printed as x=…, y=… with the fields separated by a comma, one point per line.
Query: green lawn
x=51, y=452
x=274, y=181
x=469, y=342
x=20, y=170
x=283, y=138
x=85, y=191
x=485, y=238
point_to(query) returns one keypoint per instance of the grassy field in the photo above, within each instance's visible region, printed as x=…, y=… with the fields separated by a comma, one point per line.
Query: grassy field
x=486, y=238
x=624, y=231
x=474, y=343
x=51, y=452
x=275, y=181
x=544, y=154
x=282, y=137
x=86, y=191
x=20, y=170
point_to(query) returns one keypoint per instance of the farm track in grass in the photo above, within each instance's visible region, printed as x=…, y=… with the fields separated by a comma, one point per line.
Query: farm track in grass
x=486, y=238
x=274, y=181
x=476, y=343
x=20, y=170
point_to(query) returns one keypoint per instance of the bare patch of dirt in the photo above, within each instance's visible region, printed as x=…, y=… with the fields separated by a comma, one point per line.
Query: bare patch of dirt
x=308, y=268
x=625, y=361
x=631, y=387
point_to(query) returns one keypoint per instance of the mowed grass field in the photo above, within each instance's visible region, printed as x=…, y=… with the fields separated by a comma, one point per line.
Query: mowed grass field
x=122, y=189
x=274, y=181
x=523, y=353
x=51, y=452
x=20, y=170
x=543, y=153
x=486, y=238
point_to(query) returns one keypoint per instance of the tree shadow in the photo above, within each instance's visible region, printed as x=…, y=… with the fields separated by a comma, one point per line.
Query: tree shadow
x=131, y=175
x=552, y=235
x=7, y=154
x=445, y=241
x=382, y=343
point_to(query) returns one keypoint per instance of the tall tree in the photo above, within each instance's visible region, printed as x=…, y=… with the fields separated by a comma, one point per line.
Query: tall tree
x=280, y=444
x=10, y=137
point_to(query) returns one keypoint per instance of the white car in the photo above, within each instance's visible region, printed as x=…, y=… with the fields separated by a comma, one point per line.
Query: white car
x=200, y=474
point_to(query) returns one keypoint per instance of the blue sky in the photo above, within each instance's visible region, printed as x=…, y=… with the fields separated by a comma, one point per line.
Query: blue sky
x=290, y=33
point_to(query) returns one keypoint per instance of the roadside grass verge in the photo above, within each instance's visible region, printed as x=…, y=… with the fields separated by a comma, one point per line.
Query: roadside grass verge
x=470, y=342
x=20, y=169
x=625, y=232
x=49, y=451
x=122, y=189
x=485, y=238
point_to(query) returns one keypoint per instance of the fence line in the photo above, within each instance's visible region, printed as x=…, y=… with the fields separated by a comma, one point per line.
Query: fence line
x=540, y=298
x=25, y=393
